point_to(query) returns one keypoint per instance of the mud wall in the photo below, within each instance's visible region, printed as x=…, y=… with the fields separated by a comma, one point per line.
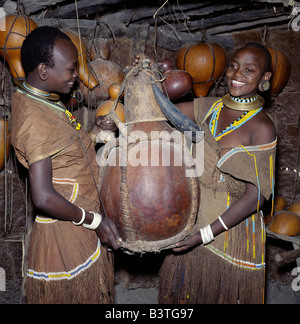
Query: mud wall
x=12, y=232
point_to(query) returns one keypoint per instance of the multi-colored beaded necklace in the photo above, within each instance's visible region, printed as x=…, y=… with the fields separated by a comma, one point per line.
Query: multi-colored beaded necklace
x=215, y=111
x=50, y=99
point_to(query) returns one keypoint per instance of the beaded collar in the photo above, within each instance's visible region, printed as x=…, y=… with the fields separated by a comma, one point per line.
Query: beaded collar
x=243, y=104
x=215, y=111
x=37, y=92
x=244, y=118
x=50, y=99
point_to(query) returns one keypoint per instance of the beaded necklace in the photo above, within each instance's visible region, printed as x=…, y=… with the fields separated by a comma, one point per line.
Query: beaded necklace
x=50, y=99
x=38, y=92
x=215, y=111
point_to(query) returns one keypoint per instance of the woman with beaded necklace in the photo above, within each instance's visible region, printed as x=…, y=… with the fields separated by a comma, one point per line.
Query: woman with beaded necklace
x=225, y=261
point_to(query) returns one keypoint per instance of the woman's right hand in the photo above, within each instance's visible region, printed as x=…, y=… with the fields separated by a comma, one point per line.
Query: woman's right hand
x=103, y=123
x=108, y=234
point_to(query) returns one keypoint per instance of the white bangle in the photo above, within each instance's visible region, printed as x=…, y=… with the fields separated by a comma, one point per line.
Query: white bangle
x=223, y=224
x=95, y=223
x=82, y=218
x=206, y=235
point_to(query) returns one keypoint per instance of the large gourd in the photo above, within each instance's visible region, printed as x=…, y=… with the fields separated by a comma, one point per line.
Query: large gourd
x=107, y=73
x=17, y=28
x=205, y=62
x=86, y=75
x=152, y=202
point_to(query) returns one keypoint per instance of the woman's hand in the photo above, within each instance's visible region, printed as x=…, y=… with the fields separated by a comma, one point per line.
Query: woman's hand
x=188, y=243
x=137, y=59
x=103, y=123
x=108, y=234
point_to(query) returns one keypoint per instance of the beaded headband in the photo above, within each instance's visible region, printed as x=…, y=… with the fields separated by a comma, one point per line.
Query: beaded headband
x=243, y=104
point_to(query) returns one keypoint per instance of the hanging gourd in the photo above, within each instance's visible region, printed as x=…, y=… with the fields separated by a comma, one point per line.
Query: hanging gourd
x=205, y=62
x=107, y=73
x=281, y=69
x=85, y=74
x=17, y=28
x=100, y=48
x=105, y=108
x=4, y=142
x=177, y=83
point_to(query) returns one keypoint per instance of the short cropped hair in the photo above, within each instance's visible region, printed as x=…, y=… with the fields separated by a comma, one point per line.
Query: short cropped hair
x=38, y=47
x=268, y=57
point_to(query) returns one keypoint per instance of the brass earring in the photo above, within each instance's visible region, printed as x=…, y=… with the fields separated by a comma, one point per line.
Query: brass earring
x=265, y=85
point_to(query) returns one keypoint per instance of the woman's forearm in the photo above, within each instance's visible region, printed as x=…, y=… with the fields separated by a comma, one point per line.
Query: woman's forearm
x=239, y=210
x=236, y=213
x=47, y=199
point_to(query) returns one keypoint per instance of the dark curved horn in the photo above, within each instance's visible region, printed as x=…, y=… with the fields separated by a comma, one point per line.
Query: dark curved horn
x=176, y=117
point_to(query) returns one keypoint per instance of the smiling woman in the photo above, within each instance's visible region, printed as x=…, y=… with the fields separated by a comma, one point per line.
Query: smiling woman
x=246, y=69
x=85, y=74
x=227, y=256
x=67, y=263
x=64, y=72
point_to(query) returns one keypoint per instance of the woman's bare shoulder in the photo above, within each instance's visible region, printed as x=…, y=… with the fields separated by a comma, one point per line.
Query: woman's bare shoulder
x=264, y=131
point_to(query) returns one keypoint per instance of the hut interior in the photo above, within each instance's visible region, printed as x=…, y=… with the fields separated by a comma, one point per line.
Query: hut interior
x=114, y=31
